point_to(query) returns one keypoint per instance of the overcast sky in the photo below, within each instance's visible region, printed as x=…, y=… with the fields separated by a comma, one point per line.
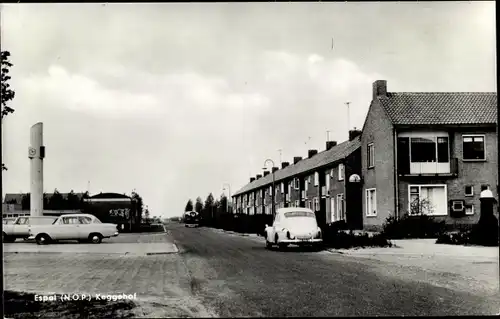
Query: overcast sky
x=175, y=100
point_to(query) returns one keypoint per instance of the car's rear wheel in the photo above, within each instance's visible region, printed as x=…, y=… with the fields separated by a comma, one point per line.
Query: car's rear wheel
x=95, y=238
x=43, y=239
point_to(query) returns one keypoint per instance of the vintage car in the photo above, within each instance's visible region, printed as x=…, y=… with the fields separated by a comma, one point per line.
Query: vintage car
x=81, y=227
x=19, y=228
x=192, y=219
x=293, y=226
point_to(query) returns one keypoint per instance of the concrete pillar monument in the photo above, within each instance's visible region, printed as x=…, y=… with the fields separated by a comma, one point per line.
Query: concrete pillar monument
x=36, y=153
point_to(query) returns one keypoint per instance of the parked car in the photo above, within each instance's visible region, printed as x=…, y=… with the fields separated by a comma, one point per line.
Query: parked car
x=192, y=219
x=81, y=227
x=8, y=220
x=19, y=228
x=293, y=226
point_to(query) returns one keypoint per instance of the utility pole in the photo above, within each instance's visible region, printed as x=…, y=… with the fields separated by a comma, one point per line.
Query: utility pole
x=348, y=116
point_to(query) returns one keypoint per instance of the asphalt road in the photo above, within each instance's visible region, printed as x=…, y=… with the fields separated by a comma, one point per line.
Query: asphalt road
x=236, y=276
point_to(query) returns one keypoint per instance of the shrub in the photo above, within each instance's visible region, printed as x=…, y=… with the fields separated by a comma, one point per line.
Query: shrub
x=454, y=238
x=484, y=233
x=333, y=237
x=414, y=224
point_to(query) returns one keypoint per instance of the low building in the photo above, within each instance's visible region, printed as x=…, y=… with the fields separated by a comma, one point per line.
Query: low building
x=114, y=208
x=312, y=182
x=428, y=153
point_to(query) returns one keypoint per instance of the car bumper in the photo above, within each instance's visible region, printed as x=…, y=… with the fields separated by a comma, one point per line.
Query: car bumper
x=116, y=234
x=31, y=237
x=301, y=241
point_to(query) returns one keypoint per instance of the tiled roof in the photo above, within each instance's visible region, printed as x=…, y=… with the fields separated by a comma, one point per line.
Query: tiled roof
x=324, y=158
x=441, y=108
x=19, y=196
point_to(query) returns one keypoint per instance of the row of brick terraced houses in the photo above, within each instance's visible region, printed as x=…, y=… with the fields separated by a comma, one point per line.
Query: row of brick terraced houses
x=441, y=147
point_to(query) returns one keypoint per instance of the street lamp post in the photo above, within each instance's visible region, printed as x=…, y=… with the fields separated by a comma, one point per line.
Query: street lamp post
x=229, y=196
x=274, y=190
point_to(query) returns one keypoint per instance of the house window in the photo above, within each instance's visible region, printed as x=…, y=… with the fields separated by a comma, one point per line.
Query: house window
x=297, y=183
x=469, y=209
x=340, y=207
x=306, y=187
x=371, y=155
x=473, y=147
x=341, y=172
x=316, y=204
x=371, y=202
x=426, y=154
x=270, y=190
x=429, y=149
x=428, y=200
x=332, y=210
x=327, y=182
x=316, y=179
x=469, y=190
x=282, y=188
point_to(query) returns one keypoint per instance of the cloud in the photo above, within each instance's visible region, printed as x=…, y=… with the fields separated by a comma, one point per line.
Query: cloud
x=183, y=128
x=82, y=94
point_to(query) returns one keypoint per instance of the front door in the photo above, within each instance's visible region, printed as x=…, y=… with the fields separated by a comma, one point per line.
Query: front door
x=332, y=209
x=85, y=226
x=68, y=229
x=20, y=228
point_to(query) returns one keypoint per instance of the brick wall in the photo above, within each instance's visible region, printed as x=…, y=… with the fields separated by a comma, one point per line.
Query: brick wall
x=469, y=173
x=378, y=129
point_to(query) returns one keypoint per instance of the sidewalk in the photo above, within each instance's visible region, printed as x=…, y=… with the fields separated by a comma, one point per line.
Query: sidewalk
x=234, y=233
x=465, y=267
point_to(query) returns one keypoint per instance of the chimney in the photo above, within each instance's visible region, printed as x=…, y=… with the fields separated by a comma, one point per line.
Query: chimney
x=354, y=133
x=258, y=176
x=275, y=169
x=311, y=153
x=330, y=144
x=266, y=173
x=379, y=88
x=297, y=159
x=252, y=179
x=284, y=164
